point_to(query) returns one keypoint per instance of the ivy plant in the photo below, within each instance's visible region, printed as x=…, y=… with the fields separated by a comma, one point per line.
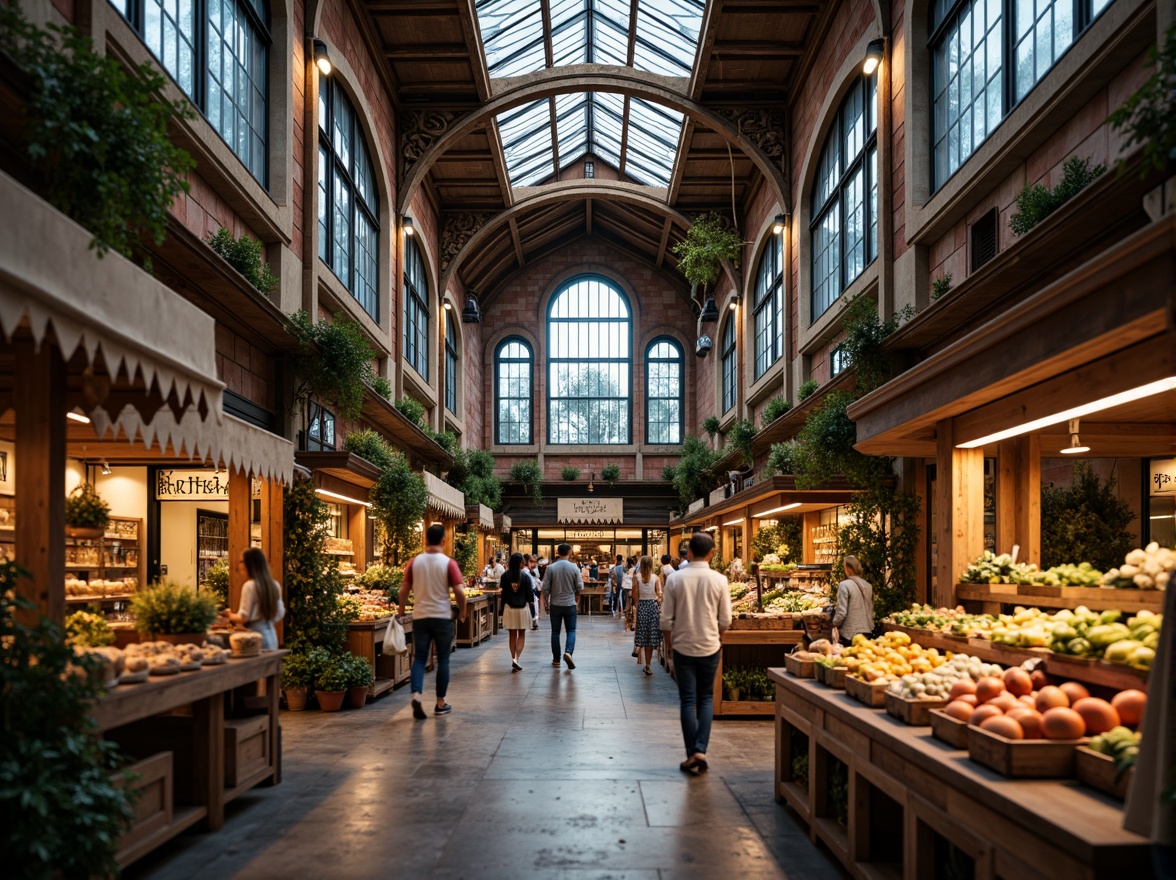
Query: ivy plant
x=865, y=335
x=693, y=475
x=807, y=389
x=465, y=551
x=711, y=426
x=941, y=286
x=773, y=409
x=1148, y=117
x=611, y=473
x=708, y=243
x=1037, y=202
x=369, y=445
x=530, y=475
x=473, y=474
x=398, y=503
x=412, y=409
x=570, y=473
x=333, y=364
x=310, y=575
x=740, y=436
x=245, y=255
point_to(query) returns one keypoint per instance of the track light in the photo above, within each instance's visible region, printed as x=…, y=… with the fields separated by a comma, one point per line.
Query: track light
x=710, y=311
x=105, y=468
x=780, y=224
x=78, y=417
x=1075, y=444
x=406, y=225
x=873, y=57
x=471, y=314
x=322, y=58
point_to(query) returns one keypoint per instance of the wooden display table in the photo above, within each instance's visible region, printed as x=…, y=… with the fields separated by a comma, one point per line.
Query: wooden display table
x=365, y=638
x=1030, y=595
x=592, y=601
x=478, y=625
x=215, y=758
x=752, y=647
x=911, y=797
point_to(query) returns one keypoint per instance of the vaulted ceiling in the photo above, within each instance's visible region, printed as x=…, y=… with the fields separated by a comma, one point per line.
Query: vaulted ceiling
x=678, y=104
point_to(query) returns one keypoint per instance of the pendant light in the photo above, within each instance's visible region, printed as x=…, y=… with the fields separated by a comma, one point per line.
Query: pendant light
x=1075, y=444
x=471, y=314
x=710, y=311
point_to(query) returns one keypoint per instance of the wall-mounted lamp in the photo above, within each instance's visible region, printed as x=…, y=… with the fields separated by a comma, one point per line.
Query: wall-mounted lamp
x=780, y=224
x=471, y=314
x=1075, y=444
x=406, y=225
x=733, y=306
x=105, y=468
x=322, y=58
x=710, y=311
x=448, y=306
x=78, y=417
x=591, y=480
x=873, y=57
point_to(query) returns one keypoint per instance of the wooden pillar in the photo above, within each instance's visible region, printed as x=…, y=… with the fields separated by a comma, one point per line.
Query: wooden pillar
x=39, y=400
x=357, y=531
x=273, y=535
x=1018, y=497
x=960, y=510
x=915, y=470
x=747, y=537
x=808, y=524
x=449, y=523
x=240, y=502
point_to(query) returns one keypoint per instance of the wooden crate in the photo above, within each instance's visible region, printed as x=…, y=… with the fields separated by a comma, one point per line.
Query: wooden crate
x=154, y=807
x=913, y=712
x=949, y=730
x=246, y=749
x=831, y=676
x=799, y=668
x=1024, y=758
x=1097, y=771
x=872, y=694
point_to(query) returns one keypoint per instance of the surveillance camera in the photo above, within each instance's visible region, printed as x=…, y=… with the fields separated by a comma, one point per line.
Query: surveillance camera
x=703, y=346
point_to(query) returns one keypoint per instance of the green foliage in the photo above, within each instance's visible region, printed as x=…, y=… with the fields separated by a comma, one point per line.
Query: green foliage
x=473, y=474
x=740, y=437
x=297, y=670
x=798, y=748
x=752, y=682
x=86, y=509
x=1037, y=202
x=940, y=286
x=382, y=387
x=245, y=255
x=398, y=503
x=838, y=789
x=88, y=630
x=61, y=813
x=169, y=608
x=611, y=473
x=369, y=445
x=693, y=473
x=413, y=410
x=780, y=459
x=378, y=577
x=350, y=606
x=807, y=389
x=465, y=551
x=1148, y=116
x=883, y=533
x=570, y=473
x=708, y=242
x=824, y=448
x=711, y=426
x=311, y=576
x=98, y=134
x=357, y=671
x=333, y=364
x=216, y=582
x=447, y=440
x=531, y=476
x=785, y=539
x=334, y=677
x=668, y=473
x=1085, y=522
x=865, y=334
x=773, y=409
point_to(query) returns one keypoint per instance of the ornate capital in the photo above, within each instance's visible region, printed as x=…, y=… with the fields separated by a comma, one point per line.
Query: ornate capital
x=420, y=129
x=456, y=230
x=763, y=126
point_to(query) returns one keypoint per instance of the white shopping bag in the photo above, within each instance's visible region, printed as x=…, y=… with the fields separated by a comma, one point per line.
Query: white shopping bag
x=394, y=637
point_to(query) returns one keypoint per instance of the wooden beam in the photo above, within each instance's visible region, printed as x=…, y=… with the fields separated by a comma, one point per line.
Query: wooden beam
x=631, y=49
x=706, y=39
x=554, y=135
x=427, y=52
x=39, y=479
x=517, y=242
x=665, y=238
x=499, y=157
x=470, y=30
x=273, y=535
x=240, y=508
x=624, y=153
x=545, y=12
x=679, y=162
x=588, y=216
x=959, y=485
x=757, y=50
x=401, y=9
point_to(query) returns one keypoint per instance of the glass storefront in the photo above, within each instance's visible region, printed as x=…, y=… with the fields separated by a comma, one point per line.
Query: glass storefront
x=603, y=543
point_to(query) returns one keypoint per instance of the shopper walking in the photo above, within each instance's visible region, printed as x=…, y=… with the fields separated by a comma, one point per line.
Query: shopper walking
x=855, y=603
x=261, y=598
x=614, y=584
x=667, y=567
x=517, y=599
x=627, y=585
x=430, y=576
x=561, y=595
x=648, y=593
x=696, y=610
x=531, y=563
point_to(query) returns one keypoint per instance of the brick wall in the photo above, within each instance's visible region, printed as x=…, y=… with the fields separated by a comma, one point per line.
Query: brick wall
x=244, y=368
x=897, y=72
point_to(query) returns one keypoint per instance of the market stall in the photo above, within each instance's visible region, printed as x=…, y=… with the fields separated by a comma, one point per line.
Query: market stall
x=343, y=480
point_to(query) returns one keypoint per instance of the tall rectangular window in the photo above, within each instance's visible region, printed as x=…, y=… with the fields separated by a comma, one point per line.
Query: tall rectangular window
x=730, y=363
x=768, y=304
x=450, y=364
x=512, y=392
x=663, y=392
x=416, y=310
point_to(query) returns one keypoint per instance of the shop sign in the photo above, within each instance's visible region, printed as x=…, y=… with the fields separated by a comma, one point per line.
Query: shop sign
x=590, y=510
x=589, y=534
x=1163, y=476
x=181, y=485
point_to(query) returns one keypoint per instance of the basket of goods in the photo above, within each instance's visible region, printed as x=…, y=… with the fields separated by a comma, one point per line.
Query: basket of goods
x=802, y=663
x=912, y=697
x=245, y=644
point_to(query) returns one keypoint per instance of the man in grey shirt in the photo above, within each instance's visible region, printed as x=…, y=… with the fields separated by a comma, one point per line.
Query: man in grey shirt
x=561, y=595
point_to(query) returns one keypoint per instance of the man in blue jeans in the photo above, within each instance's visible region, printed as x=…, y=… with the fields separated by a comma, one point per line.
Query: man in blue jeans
x=562, y=583
x=696, y=610
x=432, y=575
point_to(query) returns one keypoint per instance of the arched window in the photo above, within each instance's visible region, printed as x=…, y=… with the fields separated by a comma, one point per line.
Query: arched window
x=664, y=401
x=768, y=305
x=512, y=391
x=450, y=364
x=589, y=363
x=730, y=365
x=348, y=205
x=217, y=55
x=416, y=310
x=845, y=197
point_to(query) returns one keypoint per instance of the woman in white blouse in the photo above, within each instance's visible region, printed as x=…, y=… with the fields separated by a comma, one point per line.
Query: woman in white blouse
x=261, y=598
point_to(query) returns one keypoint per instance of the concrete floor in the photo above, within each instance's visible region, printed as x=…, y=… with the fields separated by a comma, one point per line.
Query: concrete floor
x=543, y=773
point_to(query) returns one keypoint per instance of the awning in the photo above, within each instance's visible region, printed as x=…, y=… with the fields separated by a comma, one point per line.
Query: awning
x=481, y=516
x=443, y=499
x=345, y=466
x=502, y=523
x=122, y=319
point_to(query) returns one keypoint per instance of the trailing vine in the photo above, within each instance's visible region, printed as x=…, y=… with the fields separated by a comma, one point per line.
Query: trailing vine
x=398, y=505
x=473, y=474
x=333, y=364
x=311, y=576
x=530, y=475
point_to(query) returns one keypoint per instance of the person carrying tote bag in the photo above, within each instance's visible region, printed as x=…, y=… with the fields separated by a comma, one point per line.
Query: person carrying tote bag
x=854, y=613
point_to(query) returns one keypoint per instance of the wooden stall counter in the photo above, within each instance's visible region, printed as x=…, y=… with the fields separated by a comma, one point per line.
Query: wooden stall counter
x=760, y=648
x=478, y=625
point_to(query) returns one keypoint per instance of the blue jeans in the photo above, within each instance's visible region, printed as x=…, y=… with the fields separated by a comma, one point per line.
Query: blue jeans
x=562, y=616
x=696, y=692
x=425, y=631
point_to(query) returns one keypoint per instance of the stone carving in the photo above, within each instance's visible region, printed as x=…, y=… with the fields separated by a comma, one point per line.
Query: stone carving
x=456, y=229
x=420, y=129
x=763, y=126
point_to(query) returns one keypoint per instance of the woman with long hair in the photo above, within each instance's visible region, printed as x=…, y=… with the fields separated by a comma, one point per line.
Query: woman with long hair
x=647, y=593
x=261, y=598
x=517, y=599
x=855, y=604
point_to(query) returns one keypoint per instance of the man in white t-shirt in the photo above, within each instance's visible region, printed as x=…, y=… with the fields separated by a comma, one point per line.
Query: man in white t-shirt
x=431, y=576
x=696, y=610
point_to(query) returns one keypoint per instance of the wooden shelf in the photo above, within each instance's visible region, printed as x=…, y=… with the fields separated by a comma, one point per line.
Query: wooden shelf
x=745, y=707
x=1094, y=598
x=81, y=600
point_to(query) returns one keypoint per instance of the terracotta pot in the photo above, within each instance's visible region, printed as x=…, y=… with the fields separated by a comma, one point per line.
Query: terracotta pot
x=296, y=698
x=356, y=697
x=89, y=533
x=330, y=701
x=181, y=638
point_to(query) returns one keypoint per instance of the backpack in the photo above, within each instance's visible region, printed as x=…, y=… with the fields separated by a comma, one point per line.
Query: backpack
x=627, y=580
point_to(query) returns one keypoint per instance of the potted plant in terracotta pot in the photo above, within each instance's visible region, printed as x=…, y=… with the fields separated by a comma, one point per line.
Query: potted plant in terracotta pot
x=297, y=678
x=171, y=612
x=86, y=513
x=331, y=686
x=359, y=679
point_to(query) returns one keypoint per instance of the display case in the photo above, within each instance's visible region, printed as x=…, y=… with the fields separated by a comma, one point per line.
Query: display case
x=212, y=541
x=106, y=569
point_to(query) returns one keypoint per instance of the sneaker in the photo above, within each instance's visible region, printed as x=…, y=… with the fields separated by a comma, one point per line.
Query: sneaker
x=556, y=664
x=418, y=711
x=568, y=660
x=443, y=710
x=514, y=662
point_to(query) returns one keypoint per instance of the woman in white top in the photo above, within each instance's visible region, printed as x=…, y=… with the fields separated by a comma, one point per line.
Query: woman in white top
x=647, y=593
x=261, y=598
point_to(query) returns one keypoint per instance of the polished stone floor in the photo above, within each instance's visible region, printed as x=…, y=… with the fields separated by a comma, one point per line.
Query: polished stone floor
x=543, y=773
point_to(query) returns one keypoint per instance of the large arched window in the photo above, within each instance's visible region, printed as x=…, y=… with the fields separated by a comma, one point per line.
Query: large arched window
x=768, y=305
x=589, y=364
x=730, y=364
x=349, y=207
x=450, y=364
x=512, y=391
x=664, y=393
x=416, y=310
x=845, y=197
x=217, y=53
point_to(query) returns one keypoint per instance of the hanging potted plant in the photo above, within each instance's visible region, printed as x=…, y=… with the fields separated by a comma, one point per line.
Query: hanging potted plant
x=86, y=513
x=359, y=679
x=331, y=686
x=171, y=612
x=708, y=243
x=297, y=677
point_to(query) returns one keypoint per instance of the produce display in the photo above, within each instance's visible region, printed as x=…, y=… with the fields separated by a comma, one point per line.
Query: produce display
x=363, y=605
x=1120, y=743
x=1146, y=569
x=793, y=603
x=738, y=590
x=939, y=684
x=887, y=657
x=926, y=617
x=821, y=651
x=991, y=568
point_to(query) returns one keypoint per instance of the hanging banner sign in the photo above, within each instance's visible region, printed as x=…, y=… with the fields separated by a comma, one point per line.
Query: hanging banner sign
x=1163, y=476
x=590, y=534
x=590, y=510
x=192, y=486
